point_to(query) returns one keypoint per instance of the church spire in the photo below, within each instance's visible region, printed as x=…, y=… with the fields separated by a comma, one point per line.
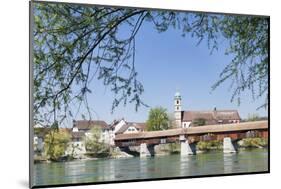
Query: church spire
x=177, y=109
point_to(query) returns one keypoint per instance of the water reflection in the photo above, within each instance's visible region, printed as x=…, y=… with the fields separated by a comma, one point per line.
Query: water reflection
x=228, y=160
x=185, y=161
x=110, y=173
x=143, y=167
x=151, y=167
x=74, y=170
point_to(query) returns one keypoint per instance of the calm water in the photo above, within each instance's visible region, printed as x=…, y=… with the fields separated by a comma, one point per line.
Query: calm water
x=155, y=167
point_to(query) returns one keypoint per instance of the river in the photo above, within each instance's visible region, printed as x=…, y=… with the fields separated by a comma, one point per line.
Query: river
x=215, y=162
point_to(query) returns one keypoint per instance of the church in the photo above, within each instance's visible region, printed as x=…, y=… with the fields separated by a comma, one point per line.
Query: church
x=185, y=119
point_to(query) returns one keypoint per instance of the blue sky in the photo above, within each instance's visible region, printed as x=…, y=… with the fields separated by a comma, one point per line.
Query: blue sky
x=166, y=62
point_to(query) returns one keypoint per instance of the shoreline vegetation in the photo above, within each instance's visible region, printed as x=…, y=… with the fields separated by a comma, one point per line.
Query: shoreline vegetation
x=163, y=149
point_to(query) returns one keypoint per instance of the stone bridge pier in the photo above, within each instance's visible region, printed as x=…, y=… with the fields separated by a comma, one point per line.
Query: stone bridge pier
x=146, y=150
x=229, y=145
x=187, y=148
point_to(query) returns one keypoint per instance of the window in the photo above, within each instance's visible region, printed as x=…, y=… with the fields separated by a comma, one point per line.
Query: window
x=177, y=102
x=177, y=108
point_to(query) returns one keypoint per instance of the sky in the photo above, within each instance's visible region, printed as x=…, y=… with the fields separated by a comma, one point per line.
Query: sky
x=167, y=62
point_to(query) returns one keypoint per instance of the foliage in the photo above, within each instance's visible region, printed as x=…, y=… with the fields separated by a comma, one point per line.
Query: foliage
x=248, y=44
x=171, y=123
x=175, y=148
x=56, y=143
x=94, y=143
x=255, y=117
x=73, y=44
x=40, y=131
x=199, y=122
x=72, y=150
x=254, y=142
x=209, y=145
x=69, y=42
x=157, y=119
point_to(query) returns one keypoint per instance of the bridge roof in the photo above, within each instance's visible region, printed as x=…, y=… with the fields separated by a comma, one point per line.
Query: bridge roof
x=245, y=126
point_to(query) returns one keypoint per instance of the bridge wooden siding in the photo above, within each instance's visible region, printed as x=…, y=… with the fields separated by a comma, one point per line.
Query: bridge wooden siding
x=195, y=134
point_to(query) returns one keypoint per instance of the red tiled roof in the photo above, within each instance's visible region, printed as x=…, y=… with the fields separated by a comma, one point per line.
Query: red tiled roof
x=227, y=115
x=133, y=124
x=88, y=124
x=211, y=115
x=137, y=125
x=66, y=130
x=77, y=135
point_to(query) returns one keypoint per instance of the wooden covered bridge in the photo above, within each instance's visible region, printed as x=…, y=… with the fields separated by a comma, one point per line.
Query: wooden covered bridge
x=188, y=137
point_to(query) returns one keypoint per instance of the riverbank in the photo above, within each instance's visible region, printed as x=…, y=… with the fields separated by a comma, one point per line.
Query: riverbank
x=206, y=146
x=246, y=143
x=114, y=153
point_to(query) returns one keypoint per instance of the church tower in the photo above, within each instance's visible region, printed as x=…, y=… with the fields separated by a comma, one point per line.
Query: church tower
x=177, y=111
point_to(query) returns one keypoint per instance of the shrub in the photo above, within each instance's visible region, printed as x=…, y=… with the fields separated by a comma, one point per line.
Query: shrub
x=208, y=145
x=254, y=142
x=56, y=143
